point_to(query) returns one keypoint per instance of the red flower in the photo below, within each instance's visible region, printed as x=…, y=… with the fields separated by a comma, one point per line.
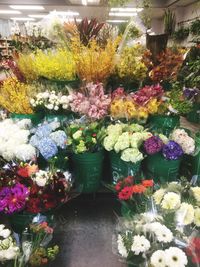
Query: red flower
x=34, y=205
x=118, y=186
x=147, y=183
x=27, y=170
x=94, y=134
x=23, y=172
x=194, y=250
x=49, y=201
x=129, y=180
x=126, y=193
x=138, y=188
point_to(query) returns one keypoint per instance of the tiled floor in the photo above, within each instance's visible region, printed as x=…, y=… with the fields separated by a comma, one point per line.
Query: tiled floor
x=85, y=232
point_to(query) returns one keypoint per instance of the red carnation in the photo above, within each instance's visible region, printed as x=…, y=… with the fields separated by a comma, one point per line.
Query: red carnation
x=138, y=188
x=34, y=205
x=23, y=172
x=118, y=186
x=129, y=180
x=147, y=183
x=126, y=193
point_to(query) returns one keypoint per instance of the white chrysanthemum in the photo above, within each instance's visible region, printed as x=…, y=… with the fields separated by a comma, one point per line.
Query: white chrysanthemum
x=164, y=235
x=171, y=201
x=140, y=244
x=131, y=155
x=158, y=195
x=197, y=217
x=25, y=152
x=121, y=247
x=196, y=193
x=158, y=259
x=185, y=214
x=123, y=142
x=176, y=257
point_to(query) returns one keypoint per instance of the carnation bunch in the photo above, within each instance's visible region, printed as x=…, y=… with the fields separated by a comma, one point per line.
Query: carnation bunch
x=181, y=137
x=14, y=140
x=126, y=139
x=91, y=102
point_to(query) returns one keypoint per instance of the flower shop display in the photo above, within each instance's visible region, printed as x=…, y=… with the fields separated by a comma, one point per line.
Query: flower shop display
x=132, y=195
x=21, y=188
x=90, y=101
x=124, y=142
x=84, y=142
x=165, y=154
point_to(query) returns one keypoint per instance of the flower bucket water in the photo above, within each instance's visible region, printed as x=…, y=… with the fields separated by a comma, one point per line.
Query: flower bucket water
x=163, y=123
x=160, y=169
x=35, y=118
x=194, y=115
x=120, y=168
x=19, y=221
x=88, y=170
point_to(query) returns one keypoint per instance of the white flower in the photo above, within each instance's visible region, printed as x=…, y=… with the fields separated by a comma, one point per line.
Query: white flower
x=131, y=155
x=187, y=143
x=41, y=178
x=77, y=134
x=171, y=201
x=2, y=226
x=164, y=235
x=185, y=214
x=158, y=195
x=158, y=259
x=197, y=217
x=24, y=124
x=25, y=152
x=176, y=257
x=121, y=247
x=5, y=233
x=109, y=142
x=123, y=142
x=140, y=244
x=196, y=192
x=136, y=140
x=49, y=106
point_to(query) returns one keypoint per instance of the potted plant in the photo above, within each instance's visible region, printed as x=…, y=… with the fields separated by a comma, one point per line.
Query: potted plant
x=84, y=143
x=124, y=142
x=169, y=22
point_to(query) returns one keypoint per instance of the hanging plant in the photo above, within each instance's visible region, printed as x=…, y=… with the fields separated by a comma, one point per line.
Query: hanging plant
x=195, y=27
x=169, y=22
x=181, y=34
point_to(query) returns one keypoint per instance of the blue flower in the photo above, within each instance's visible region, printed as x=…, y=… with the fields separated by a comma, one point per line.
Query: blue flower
x=47, y=148
x=60, y=138
x=43, y=131
x=172, y=151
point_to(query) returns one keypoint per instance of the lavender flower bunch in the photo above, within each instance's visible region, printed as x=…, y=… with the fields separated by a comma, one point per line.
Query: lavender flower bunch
x=153, y=145
x=190, y=93
x=172, y=151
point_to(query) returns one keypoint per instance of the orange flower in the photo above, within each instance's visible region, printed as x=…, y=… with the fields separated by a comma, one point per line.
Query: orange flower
x=147, y=183
x=138, y=189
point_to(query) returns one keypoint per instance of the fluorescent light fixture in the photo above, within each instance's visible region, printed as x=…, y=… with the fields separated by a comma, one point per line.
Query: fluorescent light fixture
x=67, y=13
x=126, y=9
x=38, y=16
x=122, y=14
x=4, y=11
x=116, y=20
x=27, y=7
x=23, y=19
x=84, y=2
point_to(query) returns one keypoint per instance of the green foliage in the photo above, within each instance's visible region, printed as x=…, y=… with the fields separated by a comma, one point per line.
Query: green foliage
x=195, y=27
x=169, y=22
x=181, y=34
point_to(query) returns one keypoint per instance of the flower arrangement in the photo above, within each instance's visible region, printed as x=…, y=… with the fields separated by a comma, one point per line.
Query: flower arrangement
x=14, y=96
x=126, y=140
x=48, y=139
x=92, y=102
x=84, y=137
x=180, y=201
x=50, y=101
x=8, y=248
x=94, y=63
x=24, y=189
x=14, y=140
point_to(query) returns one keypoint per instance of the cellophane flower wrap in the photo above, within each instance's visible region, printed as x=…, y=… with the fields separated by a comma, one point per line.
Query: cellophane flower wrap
x=22, y=185
x=91, y=101
x=126, y=139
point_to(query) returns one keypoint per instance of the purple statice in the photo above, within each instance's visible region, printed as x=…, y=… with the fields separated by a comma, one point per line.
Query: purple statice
x=172, y=151
x=47, y=148
x=190, y=93
x=13, y=199
x=153, y=145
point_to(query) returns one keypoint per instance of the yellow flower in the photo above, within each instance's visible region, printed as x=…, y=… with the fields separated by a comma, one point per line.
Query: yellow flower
x=197, y=217
x=142, y=112
x=196, y=193
x=152, y=106
x=130, y=109
x=185, y=214
x=171, y=201
x=158, y=195
x=117, y=108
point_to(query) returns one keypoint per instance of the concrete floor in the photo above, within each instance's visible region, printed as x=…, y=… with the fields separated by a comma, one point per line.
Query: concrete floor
x=84, y=233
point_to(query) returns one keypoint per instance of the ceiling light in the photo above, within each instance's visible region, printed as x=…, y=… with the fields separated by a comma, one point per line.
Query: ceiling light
x=116, y=20
x=9, y=11
x=27, y=7
x=23, y=19
x=122, y=14
x=38, y=16
x=126, y=9
x=84, y=2
x=67, y=13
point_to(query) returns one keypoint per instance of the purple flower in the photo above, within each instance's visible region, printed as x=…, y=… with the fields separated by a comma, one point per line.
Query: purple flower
x=190, y=93
x=13, y=199
x=153, y=145
x=172, y=151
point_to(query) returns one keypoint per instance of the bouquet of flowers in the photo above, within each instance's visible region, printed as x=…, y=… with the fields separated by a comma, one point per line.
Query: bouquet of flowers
x=92, y=102
x=127, y=140
x=14, y=140
x=85, y=137
x=181, y=202
x=22, y=186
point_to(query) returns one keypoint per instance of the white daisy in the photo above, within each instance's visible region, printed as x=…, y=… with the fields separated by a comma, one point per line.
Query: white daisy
x=140, y=244
x=175, y=257
x=121, y=247
x=158, y=259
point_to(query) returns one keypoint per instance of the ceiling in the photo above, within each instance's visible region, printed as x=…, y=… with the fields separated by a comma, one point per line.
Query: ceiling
x=100, y=11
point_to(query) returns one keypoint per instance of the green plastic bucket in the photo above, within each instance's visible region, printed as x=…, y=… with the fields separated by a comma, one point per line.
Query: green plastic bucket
x=196, y=159
x=163, y=123
x=19, y=221
x=160, y=169
x=35, y=118
x=194, y=115
x=88, y=170
x=120, y=168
